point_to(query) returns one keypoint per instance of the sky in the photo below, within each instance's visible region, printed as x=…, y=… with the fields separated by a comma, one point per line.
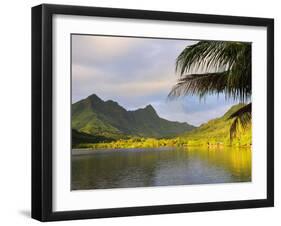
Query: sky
x=136, y=72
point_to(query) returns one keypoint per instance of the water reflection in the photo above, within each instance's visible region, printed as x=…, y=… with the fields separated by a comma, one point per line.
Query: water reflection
x=159, y=167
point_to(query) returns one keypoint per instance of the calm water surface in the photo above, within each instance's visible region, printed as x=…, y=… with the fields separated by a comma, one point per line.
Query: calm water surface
x=123, y=168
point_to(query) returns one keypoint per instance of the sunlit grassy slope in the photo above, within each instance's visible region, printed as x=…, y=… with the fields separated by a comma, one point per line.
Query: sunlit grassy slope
x=217, y=132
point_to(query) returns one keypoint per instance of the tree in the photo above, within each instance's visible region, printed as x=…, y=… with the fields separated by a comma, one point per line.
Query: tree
x=217, y=67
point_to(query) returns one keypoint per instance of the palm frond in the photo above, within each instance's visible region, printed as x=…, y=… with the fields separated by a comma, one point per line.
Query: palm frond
x=217, y=67
x=210, y=55
x=199, y=84
x=242, y=118
x=234, y=129
x=247, y=109
x=231, y=60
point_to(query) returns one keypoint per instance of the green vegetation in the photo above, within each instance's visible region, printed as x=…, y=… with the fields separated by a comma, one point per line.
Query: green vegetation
x=214, y=133
x=107, y=119
x=80, y=137
x=136, y=143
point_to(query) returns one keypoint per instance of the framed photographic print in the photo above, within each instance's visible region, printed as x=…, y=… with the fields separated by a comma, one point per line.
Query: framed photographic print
x=146, y=112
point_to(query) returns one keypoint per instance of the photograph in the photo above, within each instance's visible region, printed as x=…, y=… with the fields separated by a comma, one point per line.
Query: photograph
x=141, y=112
x=153, y=111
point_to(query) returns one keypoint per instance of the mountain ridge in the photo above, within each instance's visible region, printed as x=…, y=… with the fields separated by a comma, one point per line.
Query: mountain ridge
x=214, y=133
x=97, y=117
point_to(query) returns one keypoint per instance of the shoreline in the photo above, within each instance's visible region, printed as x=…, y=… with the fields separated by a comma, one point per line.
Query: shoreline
x=81, y=151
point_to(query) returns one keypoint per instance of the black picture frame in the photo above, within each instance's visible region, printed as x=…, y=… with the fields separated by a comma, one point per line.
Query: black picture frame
x=42, y=106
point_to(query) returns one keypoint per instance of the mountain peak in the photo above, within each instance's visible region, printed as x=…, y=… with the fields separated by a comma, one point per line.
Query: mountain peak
x=108, y=118
x=94, y=97
x=149, y=107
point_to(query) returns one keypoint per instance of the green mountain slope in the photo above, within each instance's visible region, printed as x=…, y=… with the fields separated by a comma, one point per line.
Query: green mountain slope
x=80, y=137
x=108, y=119
x=217, y=132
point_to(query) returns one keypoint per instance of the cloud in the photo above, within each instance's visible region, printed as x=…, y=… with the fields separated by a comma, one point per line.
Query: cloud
x=143, y=66
x=197, y=118
x=82, y=73
x=176, y=110
x=87, y=49
x=136, y=72
x=87, y=80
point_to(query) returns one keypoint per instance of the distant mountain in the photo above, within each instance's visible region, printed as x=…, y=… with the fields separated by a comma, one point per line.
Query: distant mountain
x=217, y=131
x=107, y=119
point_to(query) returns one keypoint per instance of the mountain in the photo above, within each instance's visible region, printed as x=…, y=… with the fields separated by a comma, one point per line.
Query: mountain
x=107, y=119
x=217, y=131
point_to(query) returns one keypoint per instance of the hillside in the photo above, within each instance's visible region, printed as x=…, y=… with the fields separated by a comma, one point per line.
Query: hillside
x=107, y=119
x=80, y=137
x=216, y=131
x=213, y=133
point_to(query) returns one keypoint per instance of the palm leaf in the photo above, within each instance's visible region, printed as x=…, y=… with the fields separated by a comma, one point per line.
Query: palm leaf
x=242, y=117
x=199, y=84
x=231, y=60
